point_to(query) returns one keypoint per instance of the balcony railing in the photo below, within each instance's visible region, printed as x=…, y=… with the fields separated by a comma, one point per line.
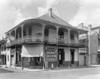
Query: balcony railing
x=78, y=43
x=50, y=39
x=73, y=42
x=26, y=39
x=83, y=50
x=61, y=40
x=31, y=39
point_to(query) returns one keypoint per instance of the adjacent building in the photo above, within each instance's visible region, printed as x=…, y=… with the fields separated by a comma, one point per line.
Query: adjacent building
x=3, y=52
x=44, y=42
x=93, y=42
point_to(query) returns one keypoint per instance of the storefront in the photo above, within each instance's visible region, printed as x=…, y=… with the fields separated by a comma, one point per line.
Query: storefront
x=2, y=59
x=32, y=56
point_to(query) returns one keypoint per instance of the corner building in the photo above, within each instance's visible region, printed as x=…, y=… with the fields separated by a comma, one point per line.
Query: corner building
x=44, y=42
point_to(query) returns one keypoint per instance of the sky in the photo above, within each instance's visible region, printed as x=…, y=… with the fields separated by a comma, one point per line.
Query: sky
x=74, y=12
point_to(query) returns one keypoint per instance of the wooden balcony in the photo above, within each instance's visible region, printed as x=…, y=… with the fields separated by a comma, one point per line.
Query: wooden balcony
x=83, y=50
x=61, y=40
x=74, y=43
x=25, y=39
x=49, y=40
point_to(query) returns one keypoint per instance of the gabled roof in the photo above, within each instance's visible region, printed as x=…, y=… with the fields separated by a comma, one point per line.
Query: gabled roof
x=55, y=19
x=51, y=18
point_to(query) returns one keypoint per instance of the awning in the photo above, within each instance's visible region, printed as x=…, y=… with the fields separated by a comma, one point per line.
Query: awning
x=32, y=51
x=3, y=52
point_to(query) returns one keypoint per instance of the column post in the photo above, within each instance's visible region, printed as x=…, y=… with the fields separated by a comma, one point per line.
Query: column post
x=15, y=49
x=69, y=36
x=22, y=32
x=21, y=47
x=57, y=47
x=43, y=26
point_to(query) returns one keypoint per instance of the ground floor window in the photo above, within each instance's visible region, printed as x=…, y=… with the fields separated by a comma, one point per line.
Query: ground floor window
x=2, y=59
x=38, y=61
x=32, y=61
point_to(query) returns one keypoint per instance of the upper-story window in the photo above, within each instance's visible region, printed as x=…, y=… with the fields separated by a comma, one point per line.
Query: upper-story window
x=72, y=37
x=30, y=31
x=61, y=34
x=24, y=31
x=49, y=29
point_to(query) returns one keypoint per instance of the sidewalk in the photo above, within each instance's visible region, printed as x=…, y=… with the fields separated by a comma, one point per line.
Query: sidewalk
x=95, y=65
x=19, y=69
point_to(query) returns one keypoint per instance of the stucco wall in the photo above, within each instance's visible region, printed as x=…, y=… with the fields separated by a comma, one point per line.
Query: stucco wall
x=93, y=43
x=67, y=54
x=93, y=47
x=93, y=59
x=8, y=58
x=76, y=56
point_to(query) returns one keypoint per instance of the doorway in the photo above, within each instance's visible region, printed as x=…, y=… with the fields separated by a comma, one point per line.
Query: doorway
x=61, y=56
x=72, y=56
x=98, y=58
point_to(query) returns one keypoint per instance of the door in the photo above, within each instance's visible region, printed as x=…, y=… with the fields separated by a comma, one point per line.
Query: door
x=72, y=56
x=98, y=58
x=60, y=56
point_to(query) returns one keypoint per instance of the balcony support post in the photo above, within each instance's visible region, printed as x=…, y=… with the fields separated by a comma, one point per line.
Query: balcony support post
x=57, y=47
x=22, y=33
x=69, y=36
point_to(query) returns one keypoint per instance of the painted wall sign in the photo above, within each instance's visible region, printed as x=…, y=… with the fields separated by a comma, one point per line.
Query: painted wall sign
x=51, y=53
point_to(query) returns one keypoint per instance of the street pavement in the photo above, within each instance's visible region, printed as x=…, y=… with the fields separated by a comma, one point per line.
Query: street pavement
x=79, y=73
x=5, y=71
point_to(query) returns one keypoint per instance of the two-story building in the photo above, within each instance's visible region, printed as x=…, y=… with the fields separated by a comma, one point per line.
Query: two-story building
x=93, y=42
x=3, y=52
x=44, y=42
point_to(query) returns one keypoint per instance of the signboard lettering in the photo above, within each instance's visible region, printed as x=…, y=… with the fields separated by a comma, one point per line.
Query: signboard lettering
x=51, y=54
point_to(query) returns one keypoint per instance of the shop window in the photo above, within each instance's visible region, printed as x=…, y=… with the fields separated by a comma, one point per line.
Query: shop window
x=37, y=60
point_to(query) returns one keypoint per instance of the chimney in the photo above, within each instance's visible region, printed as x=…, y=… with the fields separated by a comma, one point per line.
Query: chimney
x=50, y=12
x=89, y=29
